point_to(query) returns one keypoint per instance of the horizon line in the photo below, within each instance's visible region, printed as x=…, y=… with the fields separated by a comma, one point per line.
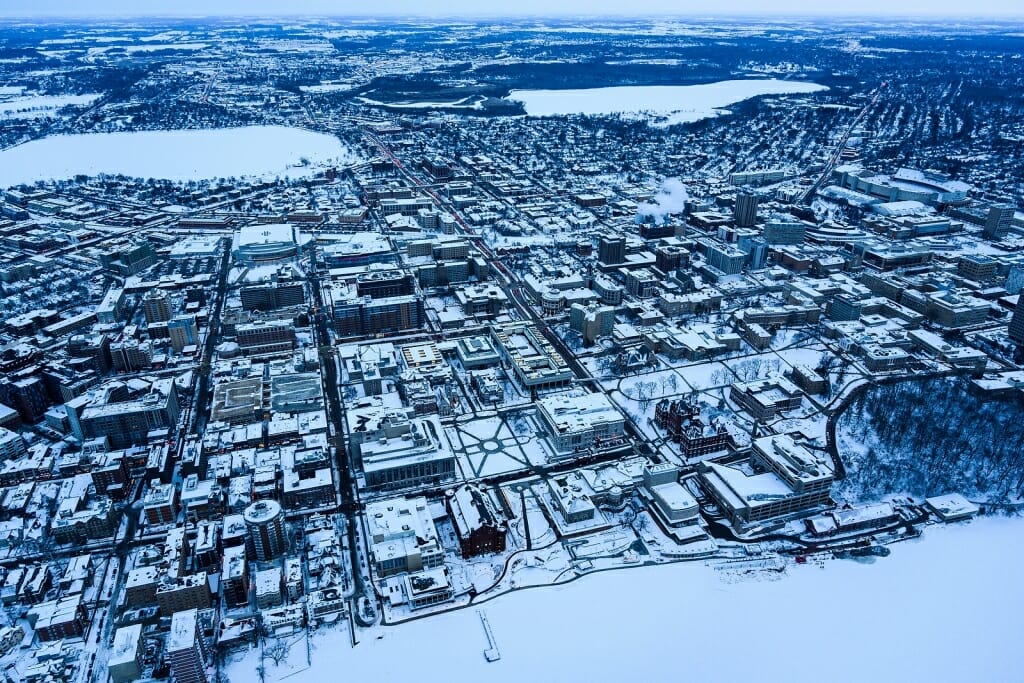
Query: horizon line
x=477, y=16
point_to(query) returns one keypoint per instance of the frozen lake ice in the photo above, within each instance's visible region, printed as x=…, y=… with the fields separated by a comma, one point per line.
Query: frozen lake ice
x=679, y=103
x=179, y=155
x=943, y=607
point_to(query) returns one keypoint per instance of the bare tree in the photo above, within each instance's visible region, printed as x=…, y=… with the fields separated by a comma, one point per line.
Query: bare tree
x=278, y=651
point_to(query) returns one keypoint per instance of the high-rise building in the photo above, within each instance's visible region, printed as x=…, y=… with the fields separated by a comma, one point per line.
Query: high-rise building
x=26, y=394
x=745, y=210
x=784, y=232
x=269, y=296
x=373, y=316
x=129, y=259
x=186, y=651
x=183, y=332
x=845, y=307
x=12, y=446
x=611, y=250
x=977, y=267
x=95, y=347
x=156, y=305
x=758, y=253
x=123, y=420
x=235, y=576
x=669, y=258
x=266, y=337
x=726, y=258
x=1000, y=217
x=125, y=663
x=1016, y=330
x=265, y=525
x=592, y=321
x=130, y=355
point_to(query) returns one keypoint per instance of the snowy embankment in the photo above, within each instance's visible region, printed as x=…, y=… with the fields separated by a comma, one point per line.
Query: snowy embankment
x=946, y=607
x=179, y=155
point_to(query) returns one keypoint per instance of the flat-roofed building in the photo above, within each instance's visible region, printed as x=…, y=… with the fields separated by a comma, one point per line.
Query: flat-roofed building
x=481, y=300
x=186, y=650
x=306, y=480
x=977, y=267
x=476, y=352
x=998, y=221
x=534, y=362
x=577, y=423
x=785, y=479
x=344, y=250
x=266, y=337
x=183, y=332
x=268, y=587
x=1016, y=328
x=430, y=587
x=592, y=321
x=125, y=662
x=239, y=401
x=765, y=398
x=128, y=422
x=402, y=536
x=61, y=618
x=417, y=457
x=191, y=591
x=160, y=504
x=806, y=472
x=234, y=576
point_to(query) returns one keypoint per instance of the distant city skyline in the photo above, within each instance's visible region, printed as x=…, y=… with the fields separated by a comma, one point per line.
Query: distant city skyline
x=521, y=8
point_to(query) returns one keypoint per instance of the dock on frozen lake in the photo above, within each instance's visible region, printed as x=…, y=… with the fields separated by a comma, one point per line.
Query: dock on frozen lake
x=491, y=653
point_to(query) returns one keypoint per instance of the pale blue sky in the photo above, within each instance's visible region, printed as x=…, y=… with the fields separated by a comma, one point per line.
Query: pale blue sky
x=134, y=8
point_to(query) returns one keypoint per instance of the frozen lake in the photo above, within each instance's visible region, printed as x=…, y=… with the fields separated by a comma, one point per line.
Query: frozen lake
x=679, y=103
x=180, y=155
x=945, y=607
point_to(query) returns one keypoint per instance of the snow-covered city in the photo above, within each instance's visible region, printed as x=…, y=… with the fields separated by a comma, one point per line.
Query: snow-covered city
x=653, y=347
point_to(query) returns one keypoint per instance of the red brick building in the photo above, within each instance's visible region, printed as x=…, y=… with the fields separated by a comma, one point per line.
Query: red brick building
x=479, y=525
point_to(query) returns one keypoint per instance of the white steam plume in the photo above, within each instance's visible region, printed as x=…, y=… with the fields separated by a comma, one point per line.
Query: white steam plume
x=671, y=198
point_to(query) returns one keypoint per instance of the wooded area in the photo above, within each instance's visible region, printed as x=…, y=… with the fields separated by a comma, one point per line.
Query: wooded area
x=931, y=437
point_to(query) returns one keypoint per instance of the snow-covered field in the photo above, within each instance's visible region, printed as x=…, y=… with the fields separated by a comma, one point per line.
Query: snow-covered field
x=166, y=46
x=326, y=87
x=464, y=103
x=180, y=155
x=41, y=105
x=943, y=608
x=679, y=103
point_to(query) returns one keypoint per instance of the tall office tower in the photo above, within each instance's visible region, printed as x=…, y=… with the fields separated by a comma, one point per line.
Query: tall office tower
x=265, y=525
x=1000, y=217
x=611, y=250
x=1016, y=330
x=745, y=211
x=186, y=652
